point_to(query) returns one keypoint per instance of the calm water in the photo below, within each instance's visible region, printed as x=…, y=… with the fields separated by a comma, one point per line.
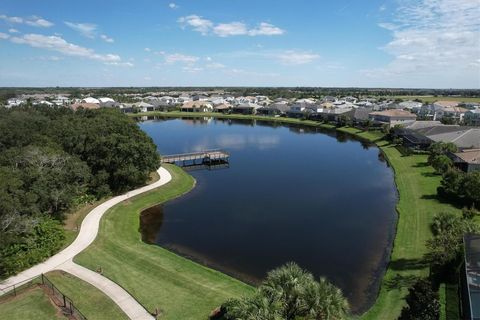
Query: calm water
x=323, y=200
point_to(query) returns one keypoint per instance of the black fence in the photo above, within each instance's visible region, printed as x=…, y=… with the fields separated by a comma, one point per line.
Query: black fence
x=61, y=300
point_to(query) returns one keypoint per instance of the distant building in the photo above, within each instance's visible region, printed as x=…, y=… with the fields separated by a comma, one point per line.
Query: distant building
x=472, y=117
x=393, y=117
x=246, y=108
x=90, y=100
x=197, y=106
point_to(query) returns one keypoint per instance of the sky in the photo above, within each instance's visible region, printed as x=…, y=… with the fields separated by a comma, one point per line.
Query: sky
x=341, y=43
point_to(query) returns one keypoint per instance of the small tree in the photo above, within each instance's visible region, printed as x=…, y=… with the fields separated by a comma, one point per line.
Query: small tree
x=441, y=163
x=422, y=302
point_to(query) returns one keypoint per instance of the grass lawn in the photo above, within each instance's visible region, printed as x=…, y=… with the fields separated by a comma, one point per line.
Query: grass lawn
x=157, y=278
x=31, y=304
x=417, y=186
x=93, y=303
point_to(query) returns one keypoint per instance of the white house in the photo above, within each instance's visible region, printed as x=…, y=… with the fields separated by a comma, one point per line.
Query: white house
x=106, y=102
x=90, y=100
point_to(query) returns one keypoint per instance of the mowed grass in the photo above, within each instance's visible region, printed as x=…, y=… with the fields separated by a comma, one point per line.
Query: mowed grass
x=157, y=278
x=418, y=203
x=91, y=302
x=31, y=304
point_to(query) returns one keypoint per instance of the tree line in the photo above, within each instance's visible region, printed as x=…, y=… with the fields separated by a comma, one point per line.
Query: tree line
x=54, y=159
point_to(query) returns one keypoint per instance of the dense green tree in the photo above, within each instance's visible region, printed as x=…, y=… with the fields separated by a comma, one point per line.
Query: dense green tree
x=441, y=163
x=52, y=159
x=446, y=245
x=422, y=302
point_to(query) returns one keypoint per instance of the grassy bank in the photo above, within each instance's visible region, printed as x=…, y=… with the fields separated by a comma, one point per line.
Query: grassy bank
x=417, y=186
x=159, y=279
x=32, y=304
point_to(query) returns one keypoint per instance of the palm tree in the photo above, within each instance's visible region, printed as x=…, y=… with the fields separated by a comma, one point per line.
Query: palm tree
x=324, y=301
x=253, y=308
x=287, y=284
x=289, y=293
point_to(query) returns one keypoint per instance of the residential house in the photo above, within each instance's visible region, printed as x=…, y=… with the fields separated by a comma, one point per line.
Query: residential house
x=413, y=106
x=90, y=100
x=358, y=116
x=462, y=137
x=199, y=97
x=143, y=107
x=472, y=117
x=467, y=160
x=274, y=109
x=393, y=117
x=43, y=103
x=197, y=106
x=298, y=110
x=61, y=101
x=107, y=102
x=223, y=108
x=13, y=102
x=246, y=108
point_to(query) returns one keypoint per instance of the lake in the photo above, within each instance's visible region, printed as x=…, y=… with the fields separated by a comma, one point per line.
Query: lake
x=319, y=198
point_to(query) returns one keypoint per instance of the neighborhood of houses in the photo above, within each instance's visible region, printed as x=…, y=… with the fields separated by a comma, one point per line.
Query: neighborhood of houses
x=417, y=124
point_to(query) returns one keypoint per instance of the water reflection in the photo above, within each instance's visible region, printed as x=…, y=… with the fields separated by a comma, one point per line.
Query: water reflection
x=291, y=193
x=151, y=221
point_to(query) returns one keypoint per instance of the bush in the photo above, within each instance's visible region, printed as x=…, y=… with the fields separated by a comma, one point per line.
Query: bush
x=422, y=302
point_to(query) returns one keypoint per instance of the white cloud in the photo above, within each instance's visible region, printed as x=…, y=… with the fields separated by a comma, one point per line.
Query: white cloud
x=85, y=29
x=33, y=21
x=120, y=64
x=178, y=57
x=293, y=57
x=205, y=27
x=4, y=35
x=172, y=5
x=434, y=43
x=266, y=29
x=215, y=65
x=12, y=30
x=230, y=29
x=38, y=22
x=58, y=44
x=106, y=38
x=197, y=23
x=147, y=49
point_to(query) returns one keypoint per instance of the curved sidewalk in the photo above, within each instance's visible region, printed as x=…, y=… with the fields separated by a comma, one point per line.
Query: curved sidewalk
x=88, y=233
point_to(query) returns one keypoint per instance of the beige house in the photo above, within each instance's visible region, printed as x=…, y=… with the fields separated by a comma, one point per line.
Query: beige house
x=393, y=117
x=196, y=106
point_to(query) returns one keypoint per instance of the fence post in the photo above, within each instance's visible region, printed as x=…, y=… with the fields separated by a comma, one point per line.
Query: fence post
x=64, y=302
x=43, y=281
x=14, y=291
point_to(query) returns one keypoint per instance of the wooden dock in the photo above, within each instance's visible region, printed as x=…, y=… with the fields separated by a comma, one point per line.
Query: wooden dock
x=208, y=156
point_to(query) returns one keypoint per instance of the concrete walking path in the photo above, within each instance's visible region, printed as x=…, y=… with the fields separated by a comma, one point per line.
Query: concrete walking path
x=88, y=233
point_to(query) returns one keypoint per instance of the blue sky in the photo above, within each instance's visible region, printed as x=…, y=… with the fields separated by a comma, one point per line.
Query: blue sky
x=374, y=43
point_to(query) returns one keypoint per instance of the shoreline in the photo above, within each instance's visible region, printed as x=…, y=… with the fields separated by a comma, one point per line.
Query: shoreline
x=390, y=297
